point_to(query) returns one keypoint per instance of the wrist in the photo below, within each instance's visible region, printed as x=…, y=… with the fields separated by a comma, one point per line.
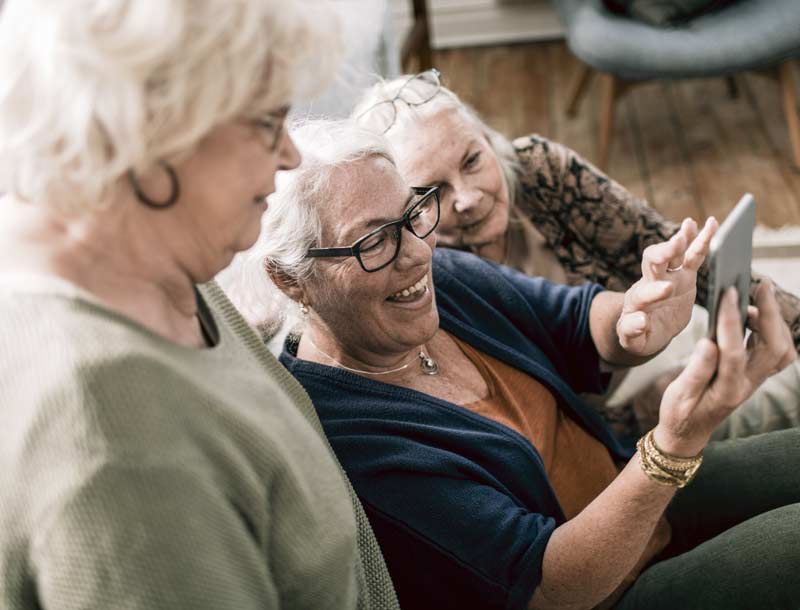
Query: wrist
x=664, y=468
x=675, y=445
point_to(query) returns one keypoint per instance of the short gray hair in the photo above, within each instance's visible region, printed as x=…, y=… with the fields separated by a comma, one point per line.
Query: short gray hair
x=407, y=116
x=94, y=88
x=291, y=225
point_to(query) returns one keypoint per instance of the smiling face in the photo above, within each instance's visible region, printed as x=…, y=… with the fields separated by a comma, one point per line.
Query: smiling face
x=448, y=149
x=380, y=315
x=224, y=186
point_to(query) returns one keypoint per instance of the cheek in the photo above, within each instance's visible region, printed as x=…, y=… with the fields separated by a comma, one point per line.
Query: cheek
x=340, y=297
x=494, y=182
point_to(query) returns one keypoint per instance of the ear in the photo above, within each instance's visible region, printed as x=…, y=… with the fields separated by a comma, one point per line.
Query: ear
x=286, y=284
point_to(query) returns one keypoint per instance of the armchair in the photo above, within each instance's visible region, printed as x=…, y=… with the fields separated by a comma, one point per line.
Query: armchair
x=748, y=34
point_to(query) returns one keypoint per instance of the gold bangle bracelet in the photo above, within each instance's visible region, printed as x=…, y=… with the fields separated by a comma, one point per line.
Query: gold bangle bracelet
x=664, y=468
x=665, y=460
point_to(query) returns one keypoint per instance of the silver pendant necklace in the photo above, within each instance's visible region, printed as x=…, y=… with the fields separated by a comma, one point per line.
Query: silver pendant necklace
x=428, y=365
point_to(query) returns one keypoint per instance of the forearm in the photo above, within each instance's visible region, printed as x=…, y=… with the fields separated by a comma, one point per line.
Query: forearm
x=603, y=316
x=588, y=557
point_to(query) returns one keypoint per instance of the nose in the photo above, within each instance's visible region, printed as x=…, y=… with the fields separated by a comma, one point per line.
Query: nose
x=289, y=155
x=414, y=251
x=465, y=200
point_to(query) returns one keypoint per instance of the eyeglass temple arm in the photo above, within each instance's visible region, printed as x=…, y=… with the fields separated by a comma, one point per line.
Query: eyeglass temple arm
x=323, y=252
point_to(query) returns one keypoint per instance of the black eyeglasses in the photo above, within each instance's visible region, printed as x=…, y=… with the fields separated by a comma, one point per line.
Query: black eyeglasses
x=380, y=247
x=417, y=90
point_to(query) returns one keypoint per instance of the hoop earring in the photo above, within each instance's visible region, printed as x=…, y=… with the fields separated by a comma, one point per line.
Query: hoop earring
x=175, y=188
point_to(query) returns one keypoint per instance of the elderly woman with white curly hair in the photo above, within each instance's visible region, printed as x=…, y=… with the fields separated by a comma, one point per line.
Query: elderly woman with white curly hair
x=447, y=386
x=154, y=454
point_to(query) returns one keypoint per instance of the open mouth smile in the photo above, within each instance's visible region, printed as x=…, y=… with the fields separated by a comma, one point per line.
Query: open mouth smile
x=412, y=293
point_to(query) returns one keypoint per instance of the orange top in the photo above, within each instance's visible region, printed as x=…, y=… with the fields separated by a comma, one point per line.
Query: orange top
x=578, y=466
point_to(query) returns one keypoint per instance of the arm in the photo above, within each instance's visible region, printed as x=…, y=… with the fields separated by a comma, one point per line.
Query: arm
x=603, y=316
x=600, y=546
x=599, y=230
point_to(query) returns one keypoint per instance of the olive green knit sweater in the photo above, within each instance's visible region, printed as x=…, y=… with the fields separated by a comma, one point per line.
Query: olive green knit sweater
x=139, y=474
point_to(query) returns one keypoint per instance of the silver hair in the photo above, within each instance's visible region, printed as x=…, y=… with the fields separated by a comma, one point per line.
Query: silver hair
x=291, y=225
x=408, y=116
x=94, y=88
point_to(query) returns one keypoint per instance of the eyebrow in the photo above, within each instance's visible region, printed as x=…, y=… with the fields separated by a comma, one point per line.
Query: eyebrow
x=467, y=153
x=377, y=222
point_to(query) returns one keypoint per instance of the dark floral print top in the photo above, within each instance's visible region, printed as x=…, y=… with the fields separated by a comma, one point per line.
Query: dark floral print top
x=597, y=229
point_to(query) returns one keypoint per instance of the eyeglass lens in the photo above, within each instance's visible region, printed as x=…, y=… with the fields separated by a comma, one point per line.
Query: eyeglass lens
x=417, y=90
x=420, y=89
x=380, y=248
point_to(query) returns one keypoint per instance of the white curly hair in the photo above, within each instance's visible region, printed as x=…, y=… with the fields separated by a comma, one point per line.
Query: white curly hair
x=91, y=89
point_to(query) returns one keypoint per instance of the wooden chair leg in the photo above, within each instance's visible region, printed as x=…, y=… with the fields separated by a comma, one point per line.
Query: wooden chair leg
x=417, y=44
x=733, y=88
x=789, y=95
x=608, y=98
x=577, y=88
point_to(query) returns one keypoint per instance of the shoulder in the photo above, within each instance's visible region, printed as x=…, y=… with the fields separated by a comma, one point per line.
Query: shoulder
x=540, y=157
x=465, y=276
x=529, y=142
x=466, y=269
x=534, y=146
x=84, y=387
x=457, y=263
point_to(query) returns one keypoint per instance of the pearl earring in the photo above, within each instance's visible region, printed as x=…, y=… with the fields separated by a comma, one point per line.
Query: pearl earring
x=303, y=309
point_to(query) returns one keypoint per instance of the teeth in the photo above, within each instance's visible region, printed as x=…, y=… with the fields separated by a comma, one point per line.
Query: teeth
x=407, y=292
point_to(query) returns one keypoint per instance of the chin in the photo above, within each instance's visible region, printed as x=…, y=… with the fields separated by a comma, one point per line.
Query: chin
x=249, y=238
x=430, y=323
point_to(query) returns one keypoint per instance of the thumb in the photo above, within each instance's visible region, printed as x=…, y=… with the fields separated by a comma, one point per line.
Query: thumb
x=693, y=381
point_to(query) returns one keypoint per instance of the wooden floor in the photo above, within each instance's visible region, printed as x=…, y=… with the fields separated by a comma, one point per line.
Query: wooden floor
x=687, y=147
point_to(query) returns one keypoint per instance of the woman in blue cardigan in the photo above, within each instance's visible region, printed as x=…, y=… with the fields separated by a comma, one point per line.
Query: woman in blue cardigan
x=447, y=386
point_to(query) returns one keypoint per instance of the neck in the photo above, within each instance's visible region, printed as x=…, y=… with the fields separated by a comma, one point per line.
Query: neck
x=320, y=346
x=494, y=251
x=121, y=263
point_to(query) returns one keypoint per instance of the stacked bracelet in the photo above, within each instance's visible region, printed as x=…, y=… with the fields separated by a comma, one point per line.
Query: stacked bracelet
x=664, y=468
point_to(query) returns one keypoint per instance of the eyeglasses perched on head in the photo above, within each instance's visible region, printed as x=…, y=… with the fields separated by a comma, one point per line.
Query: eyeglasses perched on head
x=417, y=90
x=380, y=247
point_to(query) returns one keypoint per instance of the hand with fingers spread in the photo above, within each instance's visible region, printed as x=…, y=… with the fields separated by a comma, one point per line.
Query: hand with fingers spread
x=719, y=377
x=659, y=305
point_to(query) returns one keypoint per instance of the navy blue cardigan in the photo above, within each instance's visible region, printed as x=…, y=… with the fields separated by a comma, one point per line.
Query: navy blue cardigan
x=461, y=504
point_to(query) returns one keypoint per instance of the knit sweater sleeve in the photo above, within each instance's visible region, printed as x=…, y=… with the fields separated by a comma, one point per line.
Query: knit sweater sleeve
x=143, y=538
x=597, y=228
